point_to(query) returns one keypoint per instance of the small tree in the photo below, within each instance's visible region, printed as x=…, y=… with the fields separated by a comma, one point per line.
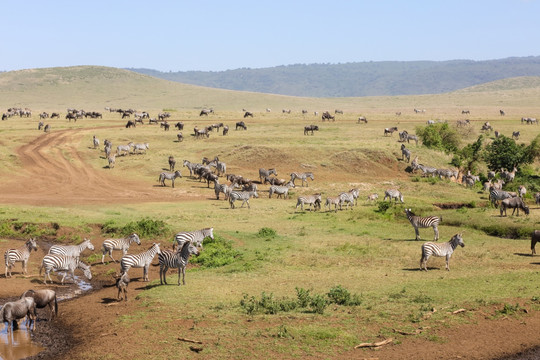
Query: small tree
x=503, y=152
x=439, y=136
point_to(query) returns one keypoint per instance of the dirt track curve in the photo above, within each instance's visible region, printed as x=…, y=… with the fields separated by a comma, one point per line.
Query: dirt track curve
x=54, y=173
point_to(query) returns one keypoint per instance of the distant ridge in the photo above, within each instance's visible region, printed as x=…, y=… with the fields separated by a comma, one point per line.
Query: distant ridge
x=383, y=78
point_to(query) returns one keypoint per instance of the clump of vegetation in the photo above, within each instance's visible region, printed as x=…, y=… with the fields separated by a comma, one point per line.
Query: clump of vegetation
x=217, y=252
x=305, y=301
x=266, y=233
x=439, y=136
x=145, y=227
x=382, y=206
x=508, y=309
x=12, y=228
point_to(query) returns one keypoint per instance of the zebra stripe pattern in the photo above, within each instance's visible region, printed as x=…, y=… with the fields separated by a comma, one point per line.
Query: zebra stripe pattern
x=393, y=194
x=71, y=250
x=141, y=260
x=195, y=237
x=178, y=260
x=405, y=153
x=118, y=244
x=263, y=173
x=53, y=262
x=497, y=195
x=348, y=198
x=336, y=201
x=302, y=176
x=169, y=176
x=241, y=195
x=445, y=249
x=21, y=254
x=221, y=188
x=280, y=190
x=310, y=200
x=423, y=222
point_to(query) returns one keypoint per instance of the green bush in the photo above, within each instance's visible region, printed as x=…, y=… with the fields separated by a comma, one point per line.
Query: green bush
x=144, y=228
x=216, y=253
x=439, y=136
x=266, y=232
x=341, y=296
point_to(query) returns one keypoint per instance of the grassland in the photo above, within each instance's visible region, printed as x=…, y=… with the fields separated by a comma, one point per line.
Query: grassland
x=369, y=252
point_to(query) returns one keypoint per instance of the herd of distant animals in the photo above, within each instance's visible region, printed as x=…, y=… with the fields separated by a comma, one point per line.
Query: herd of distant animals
x=66, y=258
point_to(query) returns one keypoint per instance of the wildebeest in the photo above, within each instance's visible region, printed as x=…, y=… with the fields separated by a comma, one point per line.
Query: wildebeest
x=15, y=310
x=241, y=125
x=311, y=128
x=515, y=135
x=43, y=298
x=206, y=112
x=47, y=128
x=40, y=125
x=514, y=203
x=55, y=115
x=326, y=116
x=465, y=112
x=172, y=163
x=71, y=116
x=130, y=124
x=179, y=125
x=502, y=112
x=248, y=113
x=337, y=111
x=390, y=130
x=225, y=130
x=362, y=119
x=534, y=239
x=165, y=125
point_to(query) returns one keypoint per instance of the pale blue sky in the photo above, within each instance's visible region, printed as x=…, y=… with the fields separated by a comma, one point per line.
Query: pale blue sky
x=219, y=35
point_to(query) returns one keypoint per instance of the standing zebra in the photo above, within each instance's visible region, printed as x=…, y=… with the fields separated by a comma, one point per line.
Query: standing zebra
x=314, y=200
x=21, y=254
x=263, y=173
x=280, y=190
x=118, y=244
x=112, y=160
x=497, y=195
x=405, y=153
x=71, y=250
x=191, y=167
x=423, y=222
x=179, y=260
x=333, y=200
x=141, y=260
x=195, y=237
x=221, y=188
x=302, y=176
x=169, y=176
x=241, y=195
x=444, y=249
x=346, y=197
x=54, y=262
x=393, y=194
x=95, y=141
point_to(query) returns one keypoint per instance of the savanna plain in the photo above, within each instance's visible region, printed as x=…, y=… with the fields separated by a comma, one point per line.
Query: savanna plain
x=276, y=282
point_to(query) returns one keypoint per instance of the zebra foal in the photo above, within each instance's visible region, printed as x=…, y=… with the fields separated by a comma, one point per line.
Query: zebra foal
x=21, y=254
x=141, y=260
x=179, y=260
x=423, y=222
x=118, y=244
x=445, y=249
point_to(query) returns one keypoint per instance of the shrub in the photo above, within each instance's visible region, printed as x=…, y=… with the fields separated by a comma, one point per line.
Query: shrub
x=439, y=136
x=266, y=232
x=218, y=252
x=382, y=206
x=341, y=296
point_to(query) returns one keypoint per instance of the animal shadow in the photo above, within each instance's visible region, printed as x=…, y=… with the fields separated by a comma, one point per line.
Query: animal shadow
x=108, y=300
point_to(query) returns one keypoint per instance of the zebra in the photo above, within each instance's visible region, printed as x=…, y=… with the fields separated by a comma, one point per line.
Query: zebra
x=124, y=149
x=21, y=254
x=445, y=249
x=537, y=198
x=372, y=197
x=179, y=259
x=111, y=159
x=303, y=177
x=446, y=173
x=118, y=244
x=496, y=195
x=314, y=200
x=333, y=200
x=280, y=190
x=141, y=260
x=412, y=137
x=424, y=222
x=522, y=190
x=516, y=135
x=140, y=147
x=71, y=250
x=196, y=237
x=191, y=167
x=241, y=195
x=220, y=166
x=95, y=141
x=169, y=176
x=55, y=262
x=427, y=170
x=347, y=197
x=263, y=173
x=221, y=188
x=393, y=194
x=405, y=153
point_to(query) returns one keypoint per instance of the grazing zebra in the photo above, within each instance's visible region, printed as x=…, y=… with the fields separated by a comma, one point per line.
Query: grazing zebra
x=372, y=197
x=221, y=188
x=280, y=190
x=496, y=195
x=196, y=237
x=54, y=262
x=95, y=141
x=118, y=244
x=179, y=260
x=71, y=250
x=172, y=163
x=314, y=200
x=169, y=176
x=444, y=249
x=412, y=137
x=21, y=254
x=423, y=222
x=263, y=173
x=446, y=173
x=534, y=239
x=393, y=194
x=303, y=177
x=405, y=153
x=333, y=200
x=141, y=260
x=241, y=195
